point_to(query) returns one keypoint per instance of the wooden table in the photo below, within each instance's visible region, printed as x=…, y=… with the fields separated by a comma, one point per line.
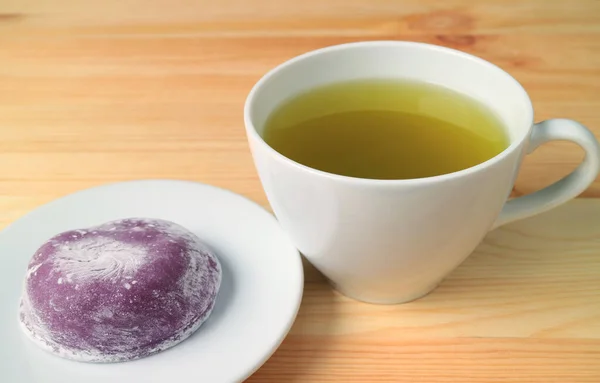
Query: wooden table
x=102, y=91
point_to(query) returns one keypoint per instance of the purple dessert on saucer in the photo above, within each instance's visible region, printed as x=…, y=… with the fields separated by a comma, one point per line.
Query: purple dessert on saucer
x=119, y=291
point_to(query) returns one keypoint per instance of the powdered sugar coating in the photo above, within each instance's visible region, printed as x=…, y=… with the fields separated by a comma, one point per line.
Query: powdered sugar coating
x=119, y=291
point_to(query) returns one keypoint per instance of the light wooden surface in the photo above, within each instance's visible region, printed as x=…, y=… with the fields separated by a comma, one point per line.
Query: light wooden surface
x=102, y=91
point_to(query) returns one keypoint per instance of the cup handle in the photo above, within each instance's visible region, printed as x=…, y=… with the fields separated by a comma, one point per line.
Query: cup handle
x=566, y=188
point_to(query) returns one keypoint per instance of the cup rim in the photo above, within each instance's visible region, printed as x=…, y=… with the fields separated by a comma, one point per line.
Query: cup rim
x=253, y=133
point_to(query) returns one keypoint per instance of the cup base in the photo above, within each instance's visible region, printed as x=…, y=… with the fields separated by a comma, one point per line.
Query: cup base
x=384, y=301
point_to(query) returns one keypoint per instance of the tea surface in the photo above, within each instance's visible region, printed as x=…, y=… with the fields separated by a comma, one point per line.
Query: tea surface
x=385, y=129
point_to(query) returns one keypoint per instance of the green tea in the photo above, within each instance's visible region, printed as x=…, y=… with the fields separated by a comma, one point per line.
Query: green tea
x=385, y=129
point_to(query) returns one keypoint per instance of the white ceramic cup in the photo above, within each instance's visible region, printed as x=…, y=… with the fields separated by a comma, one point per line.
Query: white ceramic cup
x=392, y=241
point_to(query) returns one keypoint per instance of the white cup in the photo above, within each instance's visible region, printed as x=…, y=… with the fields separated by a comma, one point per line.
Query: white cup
x=392, y=241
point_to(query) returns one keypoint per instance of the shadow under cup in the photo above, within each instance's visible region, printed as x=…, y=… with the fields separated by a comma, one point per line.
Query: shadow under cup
x=388, y=241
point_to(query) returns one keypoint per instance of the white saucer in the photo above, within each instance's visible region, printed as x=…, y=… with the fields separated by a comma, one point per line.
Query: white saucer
x=257, y=304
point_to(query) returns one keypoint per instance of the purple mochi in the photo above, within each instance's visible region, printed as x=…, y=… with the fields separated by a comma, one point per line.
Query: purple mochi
x=119, y=291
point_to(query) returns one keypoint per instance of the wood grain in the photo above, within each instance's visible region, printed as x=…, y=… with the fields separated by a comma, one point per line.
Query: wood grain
x=102, y=91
